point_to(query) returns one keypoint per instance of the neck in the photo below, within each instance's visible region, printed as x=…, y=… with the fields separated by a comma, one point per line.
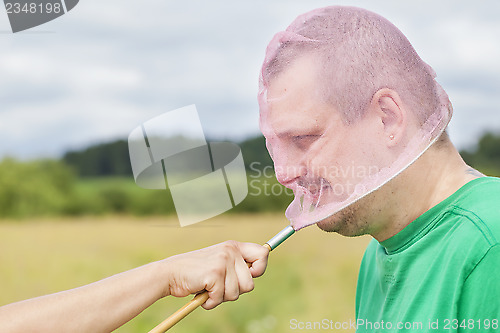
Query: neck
x=436, y=175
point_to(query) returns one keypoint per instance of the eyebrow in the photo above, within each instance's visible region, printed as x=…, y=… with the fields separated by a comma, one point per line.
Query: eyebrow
x=298, y=131
x=288, y=133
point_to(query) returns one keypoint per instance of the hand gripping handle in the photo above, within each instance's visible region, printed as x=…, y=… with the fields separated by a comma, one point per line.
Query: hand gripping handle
x=202, y=297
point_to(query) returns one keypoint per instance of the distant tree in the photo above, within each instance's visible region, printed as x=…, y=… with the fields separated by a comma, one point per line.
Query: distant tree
x=486, y=155
x=255, y=153
x=112, y=159
x=107, y=159
x=42, y=187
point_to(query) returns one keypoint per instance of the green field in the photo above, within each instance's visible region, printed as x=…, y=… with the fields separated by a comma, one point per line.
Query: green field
x=310, y=277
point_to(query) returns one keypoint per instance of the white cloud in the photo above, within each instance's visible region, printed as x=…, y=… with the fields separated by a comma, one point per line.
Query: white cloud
x=108, y=65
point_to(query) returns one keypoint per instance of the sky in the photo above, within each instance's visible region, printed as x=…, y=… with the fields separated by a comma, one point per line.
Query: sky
x=97, y=72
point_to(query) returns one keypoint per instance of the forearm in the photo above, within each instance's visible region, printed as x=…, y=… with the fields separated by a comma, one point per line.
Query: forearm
x=103, y=306
x=98, y=307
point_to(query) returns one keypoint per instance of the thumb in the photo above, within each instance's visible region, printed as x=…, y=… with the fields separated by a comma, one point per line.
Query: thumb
x=256, y=255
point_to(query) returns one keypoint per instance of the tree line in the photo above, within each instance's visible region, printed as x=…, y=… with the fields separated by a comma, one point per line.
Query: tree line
x=98, y=180
x=112, y=158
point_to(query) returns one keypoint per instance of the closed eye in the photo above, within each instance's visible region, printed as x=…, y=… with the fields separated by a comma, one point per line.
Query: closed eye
x=304, y=141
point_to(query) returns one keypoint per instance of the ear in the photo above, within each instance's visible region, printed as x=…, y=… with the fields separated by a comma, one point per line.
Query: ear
x=391, y=112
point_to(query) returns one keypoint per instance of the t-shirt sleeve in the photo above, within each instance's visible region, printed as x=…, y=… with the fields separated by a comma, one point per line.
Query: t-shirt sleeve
x=479, y=305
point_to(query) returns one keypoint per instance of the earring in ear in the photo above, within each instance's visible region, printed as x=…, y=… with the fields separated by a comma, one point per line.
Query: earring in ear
x=391, y=137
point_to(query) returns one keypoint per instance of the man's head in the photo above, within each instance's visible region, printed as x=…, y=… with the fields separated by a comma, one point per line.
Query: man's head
x=358, y=53
x=346, y=104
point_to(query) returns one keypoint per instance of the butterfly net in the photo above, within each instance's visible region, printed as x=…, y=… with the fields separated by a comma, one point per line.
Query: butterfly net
x=346, y=104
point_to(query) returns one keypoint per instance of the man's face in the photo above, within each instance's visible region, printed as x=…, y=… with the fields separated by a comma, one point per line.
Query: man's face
x=315, y=151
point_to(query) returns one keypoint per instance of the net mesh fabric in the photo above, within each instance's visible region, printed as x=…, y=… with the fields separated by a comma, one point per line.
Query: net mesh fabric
x=322, y=81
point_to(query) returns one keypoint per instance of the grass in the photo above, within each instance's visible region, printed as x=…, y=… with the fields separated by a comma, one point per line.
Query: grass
x=310, y=277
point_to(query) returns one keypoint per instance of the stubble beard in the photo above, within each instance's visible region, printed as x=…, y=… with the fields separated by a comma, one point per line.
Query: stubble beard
x=352, y=221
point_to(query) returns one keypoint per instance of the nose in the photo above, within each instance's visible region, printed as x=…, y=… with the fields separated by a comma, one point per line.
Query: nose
x=288, y=164
x=289, y=170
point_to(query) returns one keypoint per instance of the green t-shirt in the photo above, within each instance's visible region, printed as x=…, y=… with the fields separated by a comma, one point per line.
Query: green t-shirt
x=439, y=274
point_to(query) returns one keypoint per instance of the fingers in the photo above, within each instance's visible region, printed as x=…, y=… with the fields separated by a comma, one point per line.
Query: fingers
x=255, y=254
x=217, y=278
x=235, y=278
x=245, y=281
x=232, y=283
x=215, y=292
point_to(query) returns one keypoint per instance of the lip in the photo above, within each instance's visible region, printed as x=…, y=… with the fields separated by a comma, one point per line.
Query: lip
x=316, y=194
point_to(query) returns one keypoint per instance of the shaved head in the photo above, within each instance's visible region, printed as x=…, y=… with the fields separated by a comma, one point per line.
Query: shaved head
x=359, y=53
